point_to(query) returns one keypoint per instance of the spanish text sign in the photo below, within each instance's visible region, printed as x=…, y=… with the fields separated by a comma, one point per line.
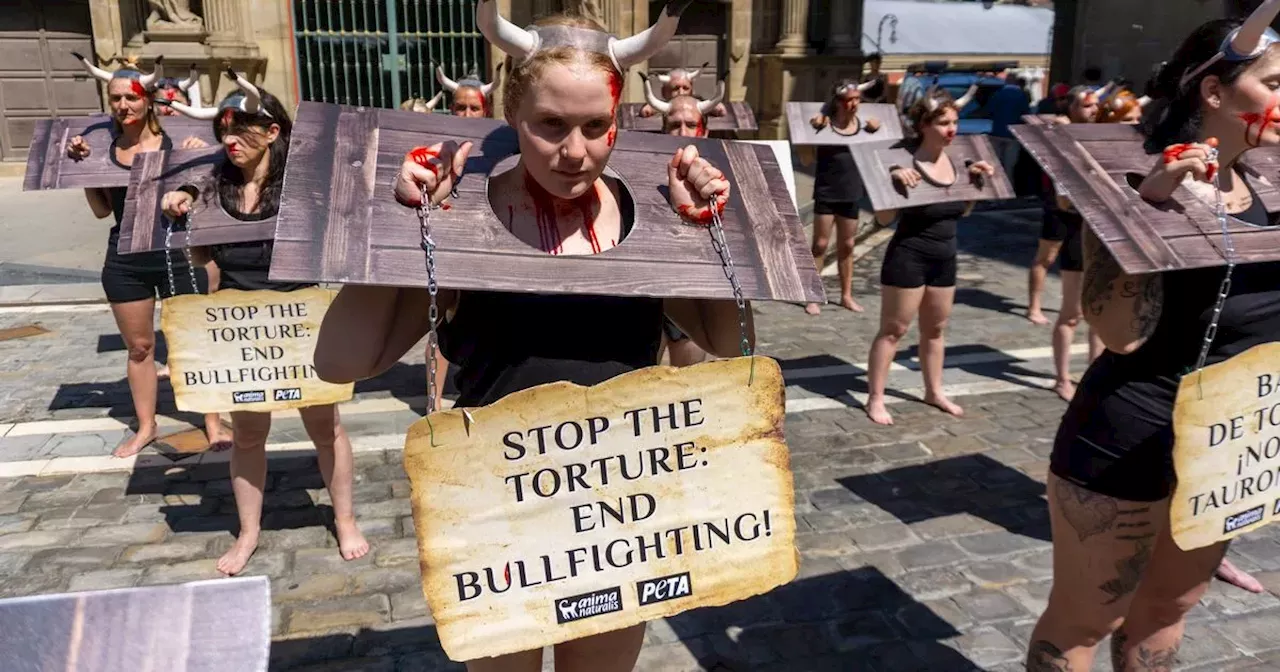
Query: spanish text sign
x=1227, y=449
x=247, y=351
x=564, y=511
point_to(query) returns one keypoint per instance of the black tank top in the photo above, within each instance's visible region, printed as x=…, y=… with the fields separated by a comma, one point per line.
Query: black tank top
x=836, y=179
x=930, y=229
x=246, y=265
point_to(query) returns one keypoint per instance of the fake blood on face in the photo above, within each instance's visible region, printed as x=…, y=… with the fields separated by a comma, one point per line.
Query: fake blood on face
x=1269, y=116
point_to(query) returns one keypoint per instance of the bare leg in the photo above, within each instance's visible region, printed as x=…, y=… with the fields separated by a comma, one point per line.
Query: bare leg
x=525, y=661
x=333, y=449
x=822, y=225
x=1101, y=547
x=685, y=352
x=1064, y=333
x=219, y=438
x=898, y=307
x=935, y=311
x=136, y=322
x=442, y=369
x=1045, y=254
x=847, y=235
x=1228, y=572
x=615, y=651
x=248, y=478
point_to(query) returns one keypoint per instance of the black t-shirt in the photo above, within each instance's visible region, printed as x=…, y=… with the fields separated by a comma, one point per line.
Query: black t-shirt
x=1127, y=397
x=144, y=261
x=247, y=265
x=836, y=179
x=930, y=230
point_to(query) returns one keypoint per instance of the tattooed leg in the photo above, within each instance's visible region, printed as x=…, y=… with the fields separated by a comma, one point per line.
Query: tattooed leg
x=1043, y=656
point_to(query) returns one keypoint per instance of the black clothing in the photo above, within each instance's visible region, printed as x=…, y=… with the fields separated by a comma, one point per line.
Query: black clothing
x=1053, y=226
x=1116, y=438
x=246, y=265
x=135, y=277
x=923, y=249
x=846, y=209
x=876, y=92
x=1071, y=256
x=836, y=179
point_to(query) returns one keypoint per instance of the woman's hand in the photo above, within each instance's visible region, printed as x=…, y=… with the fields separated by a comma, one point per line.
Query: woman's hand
x=647, y=111
x=435, y=170
x=718, y=111
x=78, y=148
x=1199, y=159
x=192, y=142
x=819, y=121
x=176, y=204
x=981, y=169
x=872, y=125
x=906, y=177
x=696, y=186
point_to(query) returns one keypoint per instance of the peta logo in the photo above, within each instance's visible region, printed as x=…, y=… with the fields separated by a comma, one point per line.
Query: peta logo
x=249, y=397
x=1244, y=519
x=662, y=589
x=578, y=607
x=289, y=394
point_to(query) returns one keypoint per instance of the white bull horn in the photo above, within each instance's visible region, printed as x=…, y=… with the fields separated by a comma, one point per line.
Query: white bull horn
x=97, y=72
x=638, y=48
x=510, y=38
x=148, y=81
x=205, y=113
x=1249, y=37
x=863, y=87
x=252, y=97
x=706, y=106
x=430, y=105
x=654, y=101
x=450, y=85
x=967, y=97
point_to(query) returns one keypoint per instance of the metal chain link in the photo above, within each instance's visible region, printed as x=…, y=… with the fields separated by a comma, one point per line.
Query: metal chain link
x=186, y=252
x=726, y=262
x=168, y=255
x=1228, y=253
x=433, y=289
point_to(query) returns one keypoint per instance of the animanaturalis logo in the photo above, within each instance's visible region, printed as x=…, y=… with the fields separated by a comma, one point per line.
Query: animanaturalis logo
x=249, y=397
x=578, y=607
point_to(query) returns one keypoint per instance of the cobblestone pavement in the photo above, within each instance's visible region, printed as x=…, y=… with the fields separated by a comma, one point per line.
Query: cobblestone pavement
x=924, y=545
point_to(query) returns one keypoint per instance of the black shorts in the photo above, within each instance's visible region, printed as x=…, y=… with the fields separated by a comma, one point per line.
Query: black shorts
x=1071, y=257
x=672, y=331
x=123, y=284
x=907, y=268
x=1116, y=437
x=1053, y=227
x=846, y=209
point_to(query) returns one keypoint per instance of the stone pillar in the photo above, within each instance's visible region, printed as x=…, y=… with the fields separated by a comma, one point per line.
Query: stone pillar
x=741, y=16
x=794, y=38
x=222, y=20
x=846, y=29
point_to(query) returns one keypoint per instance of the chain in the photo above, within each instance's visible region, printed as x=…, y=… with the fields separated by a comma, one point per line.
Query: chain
x=186, y=252
x=433, y=289
x=168, y=255
x=1228, y=253
x=726, y=261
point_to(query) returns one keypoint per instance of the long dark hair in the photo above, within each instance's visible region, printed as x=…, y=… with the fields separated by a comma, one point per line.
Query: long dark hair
x=1175, y=115
x=230, y=179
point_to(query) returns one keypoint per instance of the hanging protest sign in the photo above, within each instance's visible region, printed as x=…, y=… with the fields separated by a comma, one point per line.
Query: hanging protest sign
x=247, y=351
x=563, y=511
x=1226, y=451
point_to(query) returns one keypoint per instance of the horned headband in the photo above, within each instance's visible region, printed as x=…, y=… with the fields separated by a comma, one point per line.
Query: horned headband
x=932, y=101
x=1245, y=43
x=521, y=43
x=862, y=88
x=471, y=81
x=677, y=72
x=704, y=106
x=129, y=71
x=247, y=100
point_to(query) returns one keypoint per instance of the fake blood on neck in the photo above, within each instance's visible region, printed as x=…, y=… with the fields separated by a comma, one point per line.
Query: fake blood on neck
x=548, y=210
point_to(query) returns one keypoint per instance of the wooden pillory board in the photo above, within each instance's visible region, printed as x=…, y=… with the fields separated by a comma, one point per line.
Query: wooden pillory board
x=803, y=132
x=49, y=167
x=1093, y=165
x=739, y=117
x=142, y=228
x=874, y=162
x=340, y=222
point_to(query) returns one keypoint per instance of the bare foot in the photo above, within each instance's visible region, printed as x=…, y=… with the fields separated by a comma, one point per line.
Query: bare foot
x=219, y=437
x=351, y=543
x=233, y=561
x=1037, y=317
x=813, y=309
x=850, y=304
x=877, y=412
x=1065, y=389
x=944, y=404
x=1238, y=577
x=134, y=442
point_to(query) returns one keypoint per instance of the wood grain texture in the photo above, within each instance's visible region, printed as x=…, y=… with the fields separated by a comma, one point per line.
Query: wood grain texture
x=207, y=626
x=874, y=162
x=739, y=117
x=340, y=222
x=48, y=166
x=803, y=132
x=1096, y=167
x=142, y=228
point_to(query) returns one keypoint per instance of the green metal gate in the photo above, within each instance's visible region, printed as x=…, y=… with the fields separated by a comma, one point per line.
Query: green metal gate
x=378, y=53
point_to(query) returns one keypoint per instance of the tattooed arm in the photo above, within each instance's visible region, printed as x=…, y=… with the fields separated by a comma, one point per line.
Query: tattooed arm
x=1123, y=309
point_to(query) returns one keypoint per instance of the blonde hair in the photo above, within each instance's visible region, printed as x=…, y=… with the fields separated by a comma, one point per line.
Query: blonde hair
x=525, y=75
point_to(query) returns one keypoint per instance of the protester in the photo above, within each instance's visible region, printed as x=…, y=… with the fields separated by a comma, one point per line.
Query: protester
x=1117, y=570
x=1057, y=224
x=471, y=97
x=254, y=130
x=837, y=187
x=132, y=282
x=1056, y=101
x=561, y=99
x=422, y=105
x=919, y=272
x=679, y=82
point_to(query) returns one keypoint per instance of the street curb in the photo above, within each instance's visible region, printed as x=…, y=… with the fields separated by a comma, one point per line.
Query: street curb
x=67, y=294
